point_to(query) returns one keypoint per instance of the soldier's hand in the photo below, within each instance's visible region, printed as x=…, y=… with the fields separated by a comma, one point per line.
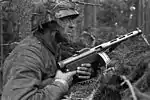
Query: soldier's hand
x=68, y=77
x=84, y=71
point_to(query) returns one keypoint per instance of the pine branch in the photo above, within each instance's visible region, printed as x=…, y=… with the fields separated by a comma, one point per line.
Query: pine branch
x=84, y=3
x=130, y=87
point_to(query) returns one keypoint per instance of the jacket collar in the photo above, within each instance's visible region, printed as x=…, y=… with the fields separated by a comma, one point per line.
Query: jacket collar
x=54, y=49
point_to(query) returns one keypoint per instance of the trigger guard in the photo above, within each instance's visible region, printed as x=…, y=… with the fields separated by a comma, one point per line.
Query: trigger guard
x=105, y=58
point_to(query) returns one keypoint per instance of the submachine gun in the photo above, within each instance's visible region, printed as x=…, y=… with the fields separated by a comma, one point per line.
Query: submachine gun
x=96, y=53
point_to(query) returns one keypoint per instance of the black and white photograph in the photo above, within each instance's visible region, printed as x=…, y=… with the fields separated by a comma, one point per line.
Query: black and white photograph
x=74, y=49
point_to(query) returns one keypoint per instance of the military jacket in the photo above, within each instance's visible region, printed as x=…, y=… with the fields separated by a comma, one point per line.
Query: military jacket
x=28, y=73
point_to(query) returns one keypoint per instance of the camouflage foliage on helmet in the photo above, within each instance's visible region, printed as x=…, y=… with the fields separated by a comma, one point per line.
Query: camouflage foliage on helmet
x=48, y=10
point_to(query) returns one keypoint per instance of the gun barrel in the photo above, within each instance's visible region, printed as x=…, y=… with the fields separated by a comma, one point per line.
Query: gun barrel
x=119, y=39
x=74, y=58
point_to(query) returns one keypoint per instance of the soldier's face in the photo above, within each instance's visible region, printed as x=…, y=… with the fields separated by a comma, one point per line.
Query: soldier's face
x=67, y=26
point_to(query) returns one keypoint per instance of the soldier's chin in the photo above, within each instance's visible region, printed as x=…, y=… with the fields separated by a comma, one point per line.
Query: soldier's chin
x=61, y=38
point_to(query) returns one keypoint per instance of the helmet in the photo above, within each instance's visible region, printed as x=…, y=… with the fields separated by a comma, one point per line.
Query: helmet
x=50, y=10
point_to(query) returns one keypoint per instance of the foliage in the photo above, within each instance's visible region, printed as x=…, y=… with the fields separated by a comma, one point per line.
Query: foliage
x=113, y=19
x=15, y=21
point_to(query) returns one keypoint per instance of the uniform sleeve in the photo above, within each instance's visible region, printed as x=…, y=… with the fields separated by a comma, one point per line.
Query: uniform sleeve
x=25, y=77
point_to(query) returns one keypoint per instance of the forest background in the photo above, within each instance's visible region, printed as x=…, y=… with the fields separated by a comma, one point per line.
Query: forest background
x=101, y=18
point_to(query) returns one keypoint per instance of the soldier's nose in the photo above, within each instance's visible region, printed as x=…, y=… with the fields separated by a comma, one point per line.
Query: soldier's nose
x=72, y=26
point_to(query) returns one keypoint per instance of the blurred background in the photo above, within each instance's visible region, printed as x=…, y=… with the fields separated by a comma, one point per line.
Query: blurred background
x=101, y=19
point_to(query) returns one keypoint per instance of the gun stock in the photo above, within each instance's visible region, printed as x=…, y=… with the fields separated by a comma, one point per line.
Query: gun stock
x=94, y=54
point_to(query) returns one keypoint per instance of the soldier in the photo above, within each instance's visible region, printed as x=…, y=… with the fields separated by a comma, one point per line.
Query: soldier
x=31, y=72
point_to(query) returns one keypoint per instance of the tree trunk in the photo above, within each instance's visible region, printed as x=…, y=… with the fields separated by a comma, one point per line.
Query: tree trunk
x=1, y=36
x=87, y=15
x=144, y=15
x=90, y=14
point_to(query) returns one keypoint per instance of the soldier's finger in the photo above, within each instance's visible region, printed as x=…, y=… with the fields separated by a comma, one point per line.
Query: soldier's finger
x=72, y=73
x=83, y=72
x=84, y=77
x=86, y=65
x=82, y=68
